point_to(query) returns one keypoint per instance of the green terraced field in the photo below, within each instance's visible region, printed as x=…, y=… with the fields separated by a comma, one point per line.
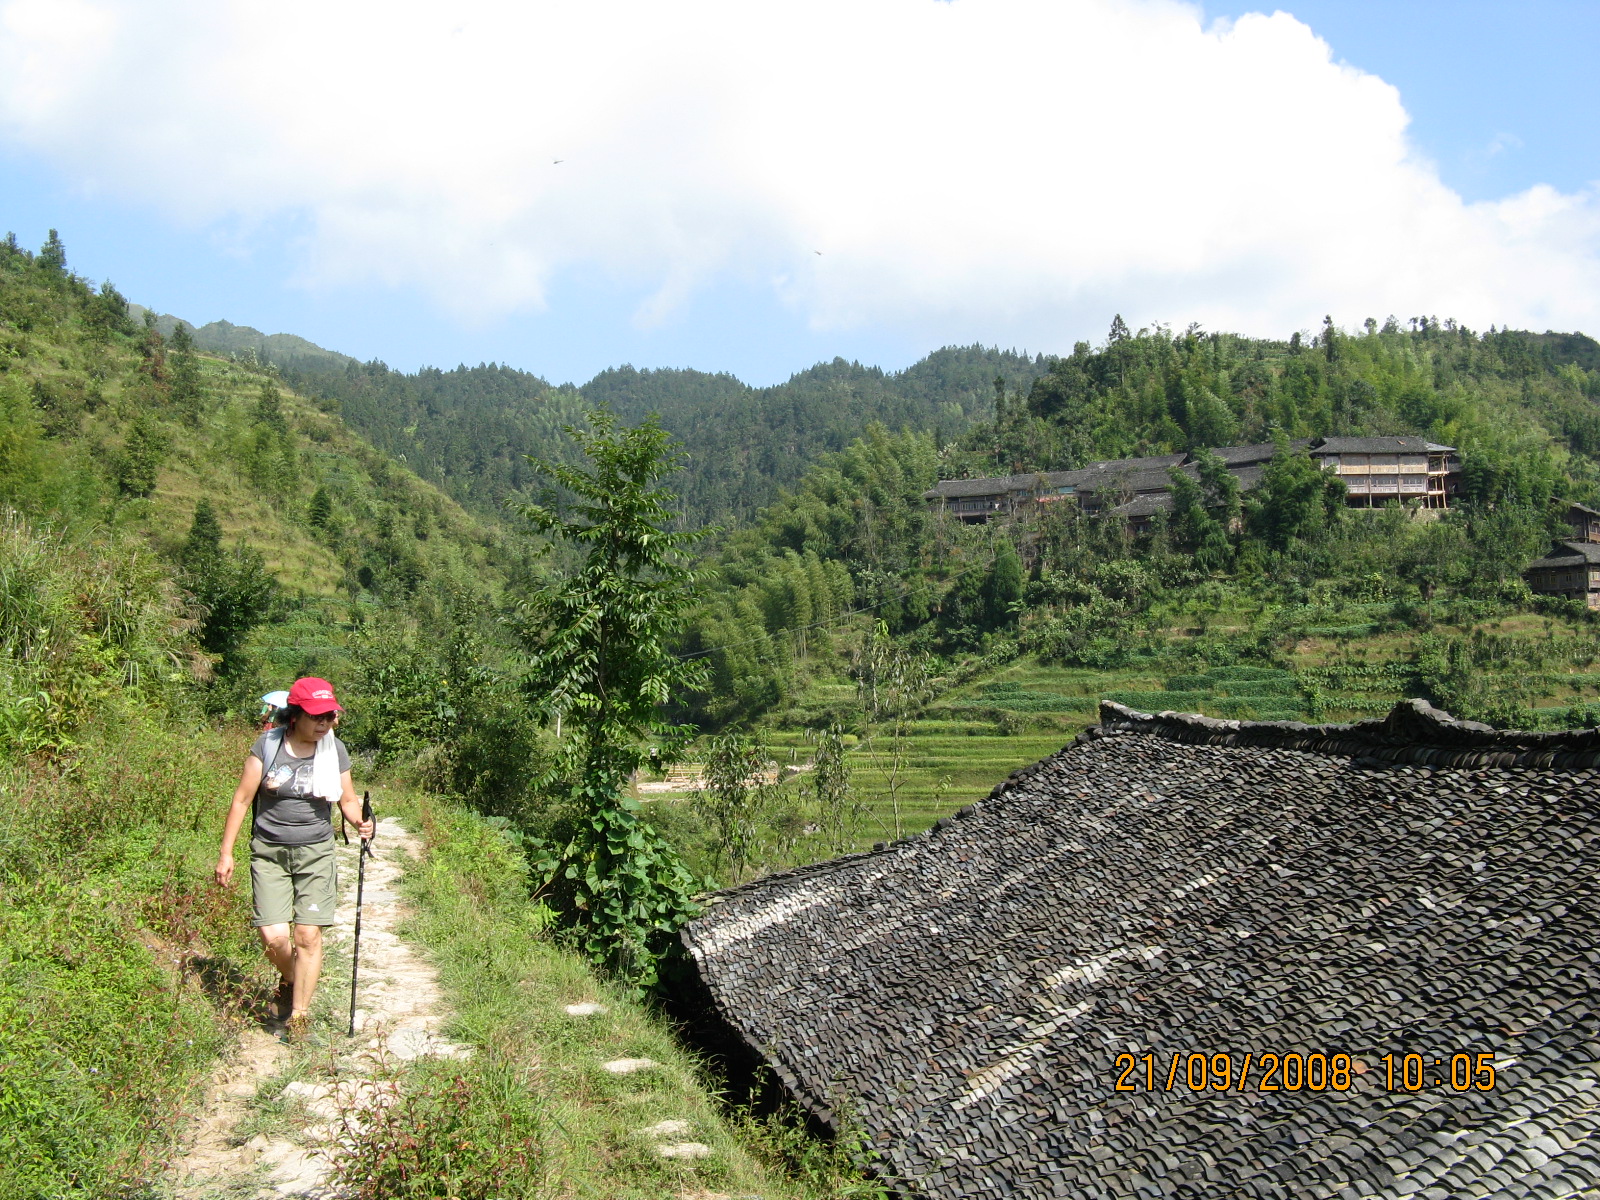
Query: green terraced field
x=972, y=736
x=943, y=770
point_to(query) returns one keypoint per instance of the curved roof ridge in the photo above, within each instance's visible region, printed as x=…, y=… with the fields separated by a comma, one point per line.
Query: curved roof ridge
x=1414, y=731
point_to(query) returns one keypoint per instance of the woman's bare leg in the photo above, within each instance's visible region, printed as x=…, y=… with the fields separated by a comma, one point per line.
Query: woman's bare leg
x=277, y=941
x=307, y=966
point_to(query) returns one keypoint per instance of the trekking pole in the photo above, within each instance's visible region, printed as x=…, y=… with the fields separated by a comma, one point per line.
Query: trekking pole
x=361, y=882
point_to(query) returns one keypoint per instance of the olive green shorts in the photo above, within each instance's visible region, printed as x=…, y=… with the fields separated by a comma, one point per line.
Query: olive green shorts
x=297, y=884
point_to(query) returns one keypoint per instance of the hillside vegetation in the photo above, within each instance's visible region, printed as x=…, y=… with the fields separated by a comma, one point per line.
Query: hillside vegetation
x=469, y=428
x=176, y=532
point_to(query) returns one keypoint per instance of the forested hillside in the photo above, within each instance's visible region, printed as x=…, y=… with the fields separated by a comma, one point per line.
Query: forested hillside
x=1503, y=396
x=469, y=428
x=855, y=534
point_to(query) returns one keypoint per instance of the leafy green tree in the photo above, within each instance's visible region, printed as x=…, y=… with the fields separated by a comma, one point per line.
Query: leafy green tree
x=735, y=799
x=233, y=589
x=1204, y=512
x=1296, y=503
x=841, y=813
x=601, y=647
x=1003, y=586
x=892, y=684
x=106, y=312
x=1191, y=524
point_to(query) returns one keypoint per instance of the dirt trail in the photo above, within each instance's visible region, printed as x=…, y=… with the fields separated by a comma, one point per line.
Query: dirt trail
x=398, y=1016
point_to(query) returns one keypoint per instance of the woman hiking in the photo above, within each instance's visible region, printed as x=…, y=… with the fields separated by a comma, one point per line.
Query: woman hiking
x=292, y=778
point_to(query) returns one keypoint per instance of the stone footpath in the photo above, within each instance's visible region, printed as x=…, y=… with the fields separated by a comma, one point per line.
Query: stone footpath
x=398, y=1016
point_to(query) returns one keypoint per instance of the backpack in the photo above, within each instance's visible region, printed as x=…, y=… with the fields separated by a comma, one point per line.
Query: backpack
x=270, y=750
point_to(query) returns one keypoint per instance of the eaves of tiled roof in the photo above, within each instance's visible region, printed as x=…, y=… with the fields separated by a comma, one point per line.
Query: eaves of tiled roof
x=1568, y=554
x=1376, y=445
x=1175, y=886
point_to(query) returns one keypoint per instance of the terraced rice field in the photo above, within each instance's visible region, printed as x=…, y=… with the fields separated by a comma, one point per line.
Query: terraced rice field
x=973, y=736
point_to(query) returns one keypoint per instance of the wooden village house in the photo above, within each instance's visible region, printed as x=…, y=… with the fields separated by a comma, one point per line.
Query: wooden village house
x=1375, y=471
x=1584, y=521
x=1570, y=569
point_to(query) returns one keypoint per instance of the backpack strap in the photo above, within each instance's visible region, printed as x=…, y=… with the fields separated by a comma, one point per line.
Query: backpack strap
x=271, y=749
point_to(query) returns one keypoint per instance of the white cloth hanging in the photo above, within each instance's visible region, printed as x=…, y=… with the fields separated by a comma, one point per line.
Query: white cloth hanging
x=325, y=781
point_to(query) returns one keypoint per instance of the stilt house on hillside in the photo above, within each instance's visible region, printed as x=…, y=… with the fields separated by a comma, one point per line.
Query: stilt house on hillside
x=1202, y=958
x=1571, y=569
x=1585, y=521
x=1375, y=471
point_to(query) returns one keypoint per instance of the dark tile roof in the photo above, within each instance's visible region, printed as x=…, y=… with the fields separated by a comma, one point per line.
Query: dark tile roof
x=1177, y=885
x=1238, y=456
x=1568, y=554
x=1376, y=445
x=1154, y=462
x=1111, y=483
x=1249, y=477
x=1145, y=506
x=1097, y=474
x=997, y=485
x=1573, y=505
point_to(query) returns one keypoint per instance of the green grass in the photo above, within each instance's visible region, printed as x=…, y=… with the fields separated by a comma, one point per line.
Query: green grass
x=539, y=1113
x=121, y=969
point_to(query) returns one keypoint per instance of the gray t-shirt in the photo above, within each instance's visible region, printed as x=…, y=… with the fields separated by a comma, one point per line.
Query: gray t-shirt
x=287, y=812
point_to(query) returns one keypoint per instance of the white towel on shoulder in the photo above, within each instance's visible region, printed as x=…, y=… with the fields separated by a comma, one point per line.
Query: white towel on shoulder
x=325, y=781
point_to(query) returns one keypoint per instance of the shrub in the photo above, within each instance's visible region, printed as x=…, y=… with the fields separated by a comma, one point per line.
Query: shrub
x=472, y=1132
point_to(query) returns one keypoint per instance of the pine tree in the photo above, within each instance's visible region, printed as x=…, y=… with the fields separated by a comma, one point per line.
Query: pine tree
x=204, y=543
x=234, y=591
x=154, y=349
x=269, y=406
x=319, y=514
x=135, y=466
x=186, y=394
x=52, y=255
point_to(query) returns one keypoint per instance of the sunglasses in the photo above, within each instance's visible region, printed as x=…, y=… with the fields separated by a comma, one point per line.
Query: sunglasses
x=327, y=718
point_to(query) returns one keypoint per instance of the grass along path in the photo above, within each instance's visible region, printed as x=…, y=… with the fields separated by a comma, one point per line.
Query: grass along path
x=277, y=1119
x=575, y=1091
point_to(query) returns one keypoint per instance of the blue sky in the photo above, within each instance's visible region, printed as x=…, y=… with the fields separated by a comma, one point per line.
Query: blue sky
x=947, y=223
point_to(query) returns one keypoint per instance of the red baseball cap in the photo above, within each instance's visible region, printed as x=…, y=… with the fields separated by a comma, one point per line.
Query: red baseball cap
x=314, y=696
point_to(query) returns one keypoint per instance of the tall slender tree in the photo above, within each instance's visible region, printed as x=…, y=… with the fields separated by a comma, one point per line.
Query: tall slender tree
x=52, y=255
x=601, y=655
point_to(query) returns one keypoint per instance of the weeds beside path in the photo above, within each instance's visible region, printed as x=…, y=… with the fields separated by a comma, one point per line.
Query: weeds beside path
x=585, y=1092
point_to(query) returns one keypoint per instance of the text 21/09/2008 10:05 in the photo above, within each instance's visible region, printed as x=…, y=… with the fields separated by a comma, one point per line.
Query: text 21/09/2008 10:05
x=1294, y=1072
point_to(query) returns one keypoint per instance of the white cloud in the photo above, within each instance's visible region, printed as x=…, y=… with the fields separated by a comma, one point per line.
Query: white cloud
x=996, y=169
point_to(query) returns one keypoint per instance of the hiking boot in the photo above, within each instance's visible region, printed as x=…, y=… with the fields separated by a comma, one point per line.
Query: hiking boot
x=282, y=1002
